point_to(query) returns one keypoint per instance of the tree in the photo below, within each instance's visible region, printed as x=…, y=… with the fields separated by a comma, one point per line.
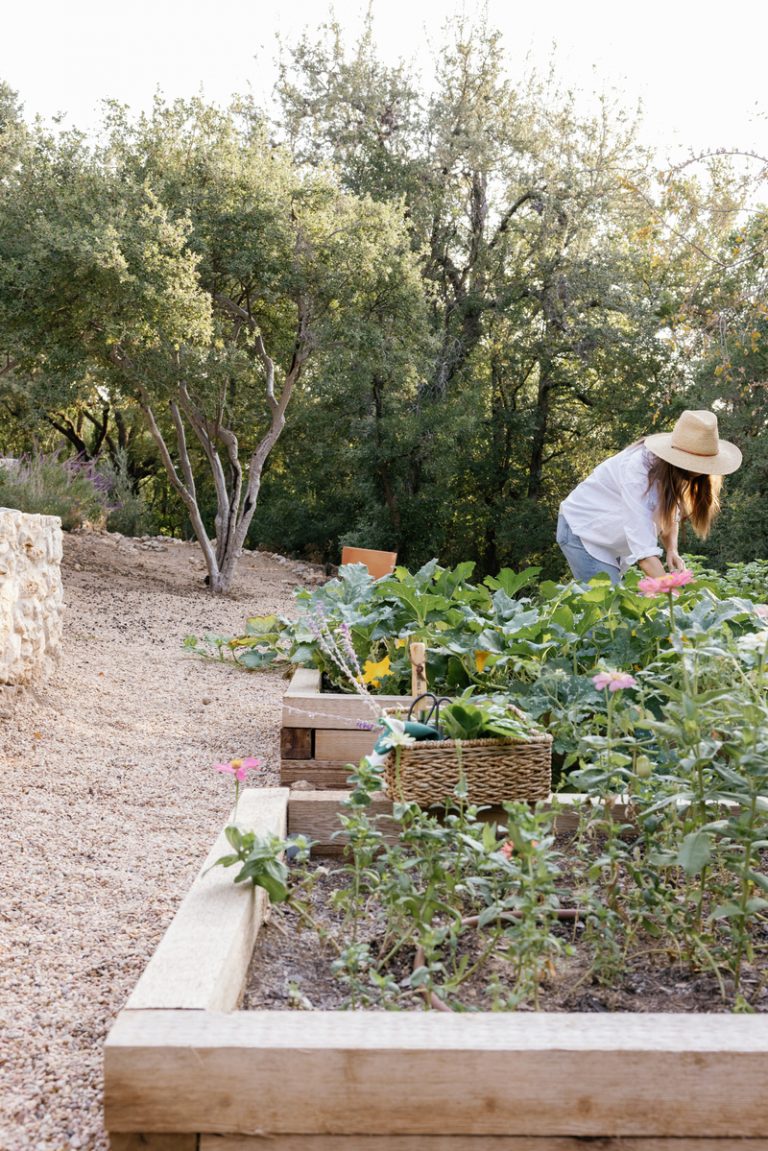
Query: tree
x=190, y=264
x=529, y=220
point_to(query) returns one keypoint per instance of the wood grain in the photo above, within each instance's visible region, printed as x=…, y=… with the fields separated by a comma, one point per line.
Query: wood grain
x=305, y=706
x=320, y=773
x=390, y=1073
x=315, y=813
x=467, y=1143
x=140, y=1141
x=297, y=743
x=344, y=746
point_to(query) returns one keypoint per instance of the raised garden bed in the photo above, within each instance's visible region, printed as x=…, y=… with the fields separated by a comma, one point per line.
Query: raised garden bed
x=186, y=1071
x=320, y=733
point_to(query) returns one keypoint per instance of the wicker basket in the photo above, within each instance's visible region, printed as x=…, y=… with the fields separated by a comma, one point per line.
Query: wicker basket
x=496, y=770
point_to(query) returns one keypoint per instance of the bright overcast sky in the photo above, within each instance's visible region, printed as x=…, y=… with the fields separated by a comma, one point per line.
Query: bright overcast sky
x=699, y=70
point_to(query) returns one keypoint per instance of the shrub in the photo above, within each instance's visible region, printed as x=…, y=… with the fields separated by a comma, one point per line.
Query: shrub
x=128, y=512
x=47, y=485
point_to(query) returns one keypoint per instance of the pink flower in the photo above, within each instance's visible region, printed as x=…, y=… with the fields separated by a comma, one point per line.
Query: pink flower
x=613, y=680
x=239, y=767
x=661, y=585
x=761, y=609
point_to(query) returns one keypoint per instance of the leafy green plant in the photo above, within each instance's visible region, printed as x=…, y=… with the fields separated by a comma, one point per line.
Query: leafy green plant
x=480, y=717
x=671, y=750
x=538, y=645
x=261, y=861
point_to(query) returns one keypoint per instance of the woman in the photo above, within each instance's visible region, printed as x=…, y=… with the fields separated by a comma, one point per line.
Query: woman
x=617, y=515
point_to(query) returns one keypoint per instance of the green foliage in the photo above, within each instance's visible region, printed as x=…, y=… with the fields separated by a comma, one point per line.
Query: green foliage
x=673, y=849
x=52, y=486
x=261, y=860
x=536, y=646
x=546, y=269
x=478, y=717
x=190, y=266
x=455, y=897
x=452, y=289
x=129, y=512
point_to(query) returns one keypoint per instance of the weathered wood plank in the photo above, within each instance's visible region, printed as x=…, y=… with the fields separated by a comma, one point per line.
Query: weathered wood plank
x=336, y=711
x=467, y=1143
x=349, y=746
x=138, y=1141
x=411, y=1074
x=315, y=813
x=297, y=743
x=320, y=773
x=305, y=679
x=202, y=960
x=312, y=709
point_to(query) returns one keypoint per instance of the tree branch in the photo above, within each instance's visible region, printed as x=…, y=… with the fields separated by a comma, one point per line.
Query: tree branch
x=8, y=366
x=68, y=430
x=506, y=219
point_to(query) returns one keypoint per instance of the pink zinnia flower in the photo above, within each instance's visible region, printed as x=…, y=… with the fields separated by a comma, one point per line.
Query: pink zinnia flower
x=239, y=767
x=613, y=680
x=661, y=585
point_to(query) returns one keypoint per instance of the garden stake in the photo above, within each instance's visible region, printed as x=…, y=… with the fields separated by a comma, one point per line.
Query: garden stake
x=418, y=654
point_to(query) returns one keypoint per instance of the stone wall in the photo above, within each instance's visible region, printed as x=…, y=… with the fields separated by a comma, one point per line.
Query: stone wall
x=31, y=595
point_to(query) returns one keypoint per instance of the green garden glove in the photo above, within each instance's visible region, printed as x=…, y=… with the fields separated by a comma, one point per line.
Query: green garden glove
x=419, y=731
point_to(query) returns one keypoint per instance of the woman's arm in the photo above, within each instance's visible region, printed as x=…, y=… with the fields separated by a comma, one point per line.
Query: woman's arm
x=652, y=566
x=669, y=543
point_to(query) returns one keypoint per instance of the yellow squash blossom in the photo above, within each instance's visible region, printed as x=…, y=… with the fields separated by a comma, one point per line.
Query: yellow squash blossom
x=481, y=659
x=373, y=673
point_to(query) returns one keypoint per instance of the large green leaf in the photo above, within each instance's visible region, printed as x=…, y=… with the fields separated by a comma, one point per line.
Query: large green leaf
x=695, y=852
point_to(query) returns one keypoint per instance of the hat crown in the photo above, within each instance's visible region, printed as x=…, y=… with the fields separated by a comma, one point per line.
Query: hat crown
x=696, y=432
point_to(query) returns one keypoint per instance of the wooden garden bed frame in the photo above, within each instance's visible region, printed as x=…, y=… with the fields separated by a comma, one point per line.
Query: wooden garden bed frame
x=186, y=1071
x=320, y=735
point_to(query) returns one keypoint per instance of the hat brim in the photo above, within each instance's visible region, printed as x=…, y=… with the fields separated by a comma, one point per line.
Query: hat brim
x=726, y=460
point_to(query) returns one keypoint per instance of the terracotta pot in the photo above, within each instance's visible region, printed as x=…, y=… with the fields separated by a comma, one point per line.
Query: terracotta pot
x=378, y=563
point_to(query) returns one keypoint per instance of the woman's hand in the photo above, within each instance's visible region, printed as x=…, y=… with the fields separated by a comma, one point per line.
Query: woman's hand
x=675, y=562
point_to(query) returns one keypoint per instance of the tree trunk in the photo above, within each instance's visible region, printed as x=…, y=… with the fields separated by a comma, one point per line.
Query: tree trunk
x=541, y=429
x=382, y=466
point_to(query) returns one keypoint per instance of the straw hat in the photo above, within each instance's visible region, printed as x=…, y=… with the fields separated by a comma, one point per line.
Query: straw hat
x=694, y=445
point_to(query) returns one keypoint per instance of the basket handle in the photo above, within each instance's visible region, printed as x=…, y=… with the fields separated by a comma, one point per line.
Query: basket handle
x=431, y=717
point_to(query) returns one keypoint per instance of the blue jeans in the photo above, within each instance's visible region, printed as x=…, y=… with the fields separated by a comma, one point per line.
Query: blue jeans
x=583, y=565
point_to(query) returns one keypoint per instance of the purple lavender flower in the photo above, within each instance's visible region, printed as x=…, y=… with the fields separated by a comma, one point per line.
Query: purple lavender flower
x=345, y=637
x=315, y=619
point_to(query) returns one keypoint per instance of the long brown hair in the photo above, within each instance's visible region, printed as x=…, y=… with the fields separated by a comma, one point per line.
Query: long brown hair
x=696, y=497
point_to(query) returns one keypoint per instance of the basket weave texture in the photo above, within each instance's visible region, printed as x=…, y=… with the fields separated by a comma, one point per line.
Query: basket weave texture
x=496, y=770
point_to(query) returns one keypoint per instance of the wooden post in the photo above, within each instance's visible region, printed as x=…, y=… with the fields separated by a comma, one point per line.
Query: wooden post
x=297, y=743
x=418, y=669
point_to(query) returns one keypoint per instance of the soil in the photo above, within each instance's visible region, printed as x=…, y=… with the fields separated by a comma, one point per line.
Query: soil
x=109, y=804
x=291, y=968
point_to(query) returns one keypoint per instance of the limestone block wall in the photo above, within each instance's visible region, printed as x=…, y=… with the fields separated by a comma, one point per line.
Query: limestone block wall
x=31, y=595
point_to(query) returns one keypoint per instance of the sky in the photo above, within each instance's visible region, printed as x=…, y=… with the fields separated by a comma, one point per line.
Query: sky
x=699, y=72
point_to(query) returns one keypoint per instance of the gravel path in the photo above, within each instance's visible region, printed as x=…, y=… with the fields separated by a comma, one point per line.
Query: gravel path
x=109, y=805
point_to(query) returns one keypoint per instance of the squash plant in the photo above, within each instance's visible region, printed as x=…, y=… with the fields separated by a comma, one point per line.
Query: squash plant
x=537, y=643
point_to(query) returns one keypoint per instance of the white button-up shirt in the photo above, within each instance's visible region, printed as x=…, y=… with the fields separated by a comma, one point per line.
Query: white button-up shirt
x=612, y=511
